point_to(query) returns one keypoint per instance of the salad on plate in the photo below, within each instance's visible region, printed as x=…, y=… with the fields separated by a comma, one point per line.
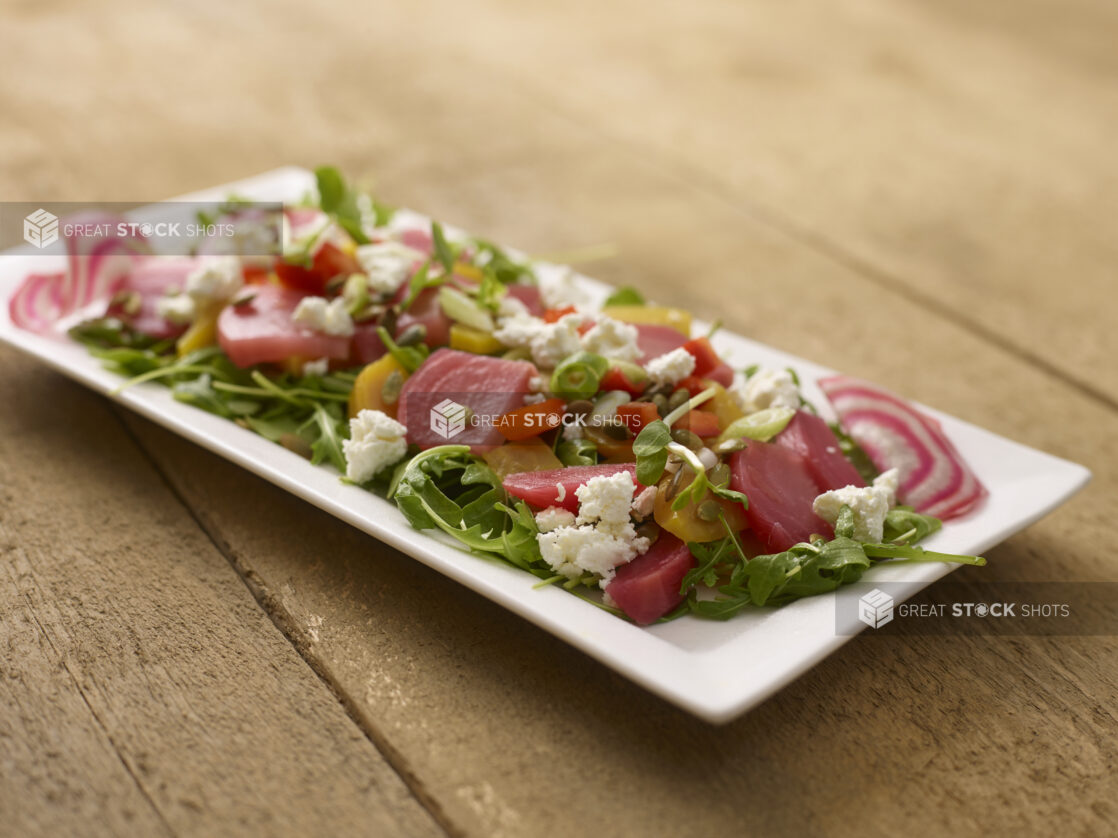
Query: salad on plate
x=607, y=449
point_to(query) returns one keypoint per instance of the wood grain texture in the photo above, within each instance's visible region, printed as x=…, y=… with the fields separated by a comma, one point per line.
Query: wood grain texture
x=941, y=172
x=144, y=691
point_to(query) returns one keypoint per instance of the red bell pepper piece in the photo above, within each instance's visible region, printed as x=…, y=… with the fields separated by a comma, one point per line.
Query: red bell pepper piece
x=636, y=415
x=700, y=422
x=531, y=419
x=706, y=359
x=615, y=379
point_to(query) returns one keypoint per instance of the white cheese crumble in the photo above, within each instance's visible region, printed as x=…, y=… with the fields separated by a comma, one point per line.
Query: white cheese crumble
x=612, y=339
x=671, y=367
x=549, y=343
x=765, y=389
x=517, y=330
x=563, y=290
x=217, y=279
x=387, y=264
x=322, y=315
x=376, y=441
x=320, y=367
x=869, y=504
x=178, y=309
x=214, y=281
x=554, y=517
x=601, y=537
x=509, y=306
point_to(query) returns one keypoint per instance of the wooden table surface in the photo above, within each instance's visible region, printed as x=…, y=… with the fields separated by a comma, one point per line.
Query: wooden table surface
x=925, y=194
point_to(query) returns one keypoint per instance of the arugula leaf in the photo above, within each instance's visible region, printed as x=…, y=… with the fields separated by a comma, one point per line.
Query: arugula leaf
x=420, y=281
x=448, y=488
x=577, y=452
x=444, y=253
x=853, y=452
x=802, y=570
x=625, y=296
x=904, y=525
x=327, y=447
x=493, y=261
x=339, y=202
x=490, y=291
x=109, y=332
x=200, y=392
x=408, y=357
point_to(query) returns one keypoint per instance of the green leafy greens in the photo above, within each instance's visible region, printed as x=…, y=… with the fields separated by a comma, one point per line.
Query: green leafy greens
x=805, y=569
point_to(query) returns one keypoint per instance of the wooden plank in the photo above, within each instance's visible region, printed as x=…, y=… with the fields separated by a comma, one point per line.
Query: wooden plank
x=511, y=731
x=142, y=691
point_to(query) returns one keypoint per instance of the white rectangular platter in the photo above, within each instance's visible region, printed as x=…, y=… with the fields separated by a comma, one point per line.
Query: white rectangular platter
x=715, y=670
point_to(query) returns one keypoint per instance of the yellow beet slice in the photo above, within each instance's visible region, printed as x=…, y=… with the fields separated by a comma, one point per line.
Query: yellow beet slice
x=676, y=318
x=369, y=391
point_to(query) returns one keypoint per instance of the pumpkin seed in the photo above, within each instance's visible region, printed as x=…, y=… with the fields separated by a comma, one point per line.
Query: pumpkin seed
x=678, y=398
x=719, y=475
x=677, y=478
x=413, y=334
x=615, y=431
x=580, y=407
x=661, y=402
x=708, y=510
x=390, y=390
x=648, y=529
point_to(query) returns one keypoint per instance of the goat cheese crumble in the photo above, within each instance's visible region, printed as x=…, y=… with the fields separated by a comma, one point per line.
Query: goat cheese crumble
x=320, y=367
x=870, y=504
x=376, y=441
x=612, y=339
x=671, y=367
x=549, y=343
x=554, y=517
x=601, y=537
x=327, y=316
x=214, y=281
x=562, y=291
x=387, y=264
x=765, y=389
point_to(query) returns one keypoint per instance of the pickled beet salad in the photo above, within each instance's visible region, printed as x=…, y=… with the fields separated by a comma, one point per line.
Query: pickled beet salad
x=600, y=446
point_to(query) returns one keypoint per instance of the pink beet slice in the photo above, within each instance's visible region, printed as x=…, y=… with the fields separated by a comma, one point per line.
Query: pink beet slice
x=722, y=374
x=557, y=486
x=367, y=345
x=781, y=490
x=457, y=397
x=654, y=340
x=152, y=279
x=262, y=331
x=647, y=588
x=934, y=477
x=811, y=438
x=426, y=311
x=529, y=295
